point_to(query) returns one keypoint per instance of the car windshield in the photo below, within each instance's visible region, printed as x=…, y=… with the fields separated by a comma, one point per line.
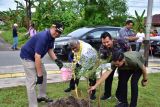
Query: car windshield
x=79, y=32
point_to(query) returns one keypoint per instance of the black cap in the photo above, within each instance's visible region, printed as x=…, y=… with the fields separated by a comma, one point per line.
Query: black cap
x=59, y=27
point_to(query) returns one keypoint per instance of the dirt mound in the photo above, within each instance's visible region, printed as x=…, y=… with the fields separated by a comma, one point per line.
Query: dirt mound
x=69, y=102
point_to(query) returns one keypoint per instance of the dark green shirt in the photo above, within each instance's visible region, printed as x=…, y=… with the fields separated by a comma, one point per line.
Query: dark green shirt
x=133, y=61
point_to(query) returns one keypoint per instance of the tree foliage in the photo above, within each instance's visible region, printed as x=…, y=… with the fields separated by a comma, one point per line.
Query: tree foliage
x=139, y=21
x=73, y=13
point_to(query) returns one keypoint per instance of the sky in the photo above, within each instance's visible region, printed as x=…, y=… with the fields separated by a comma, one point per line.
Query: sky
x=141, y=5
x=6, y=4
x=133, y=5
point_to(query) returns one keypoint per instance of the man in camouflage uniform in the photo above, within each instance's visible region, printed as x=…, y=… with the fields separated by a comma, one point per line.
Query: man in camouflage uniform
x=108, y=47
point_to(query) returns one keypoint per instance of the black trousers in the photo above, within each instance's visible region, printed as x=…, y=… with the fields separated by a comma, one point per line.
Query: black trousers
x=92, y=82
x=133, y=46
x=108, y=86
x=123, y=86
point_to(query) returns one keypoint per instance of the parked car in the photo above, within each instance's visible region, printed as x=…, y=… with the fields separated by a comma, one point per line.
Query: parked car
x=90, y=35
x=155, y=46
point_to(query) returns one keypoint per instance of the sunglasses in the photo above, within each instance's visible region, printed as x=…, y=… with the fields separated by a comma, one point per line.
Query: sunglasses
x=58, y=31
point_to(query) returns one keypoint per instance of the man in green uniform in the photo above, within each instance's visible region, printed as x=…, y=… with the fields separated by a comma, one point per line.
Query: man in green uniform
x=132, y=65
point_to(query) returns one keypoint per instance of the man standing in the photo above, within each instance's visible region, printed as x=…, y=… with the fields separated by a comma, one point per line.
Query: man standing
x=15, y=37
x=132, y=64
x=85, y=58
x=31, y=54
x=141, y=37
x=108, y=47
x=127, y=34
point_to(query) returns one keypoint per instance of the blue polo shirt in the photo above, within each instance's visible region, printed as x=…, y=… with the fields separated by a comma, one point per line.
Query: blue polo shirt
x=40, y=43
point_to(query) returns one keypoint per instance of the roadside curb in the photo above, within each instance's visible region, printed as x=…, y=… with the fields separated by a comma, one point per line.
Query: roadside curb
x=22, y=74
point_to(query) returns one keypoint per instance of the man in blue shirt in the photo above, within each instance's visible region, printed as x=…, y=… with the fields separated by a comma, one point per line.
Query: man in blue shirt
x=31, y=54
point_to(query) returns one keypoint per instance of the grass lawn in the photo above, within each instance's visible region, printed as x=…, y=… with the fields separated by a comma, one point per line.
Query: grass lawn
x=148, y=96
x=7, y=36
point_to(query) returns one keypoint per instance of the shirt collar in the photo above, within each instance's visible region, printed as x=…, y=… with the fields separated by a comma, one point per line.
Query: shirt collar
x=127, y=29
x=125, y=62
x=50, y=36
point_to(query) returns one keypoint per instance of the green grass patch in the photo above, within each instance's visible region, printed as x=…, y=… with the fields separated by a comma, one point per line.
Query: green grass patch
x=7, y=36
x=148, y=96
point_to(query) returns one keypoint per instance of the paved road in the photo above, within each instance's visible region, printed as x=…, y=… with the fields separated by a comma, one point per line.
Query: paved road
x=11, y=58
x=51, y=78
x=10, y=67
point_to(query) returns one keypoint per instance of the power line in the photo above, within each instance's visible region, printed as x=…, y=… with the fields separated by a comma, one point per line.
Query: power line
x=137, y=1
x=144, y=6
x=140, y=2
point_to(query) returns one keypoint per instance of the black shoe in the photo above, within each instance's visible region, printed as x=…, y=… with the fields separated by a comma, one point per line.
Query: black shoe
x=12, y=48
x=16, y=48
x=122, y=105
x=117, y=98
x=45, y=99
x=105, y=97
x=132, y=106
x=68, y=90
x=92, y=97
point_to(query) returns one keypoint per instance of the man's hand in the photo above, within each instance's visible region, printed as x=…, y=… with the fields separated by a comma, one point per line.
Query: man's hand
x=133, y=38
x=91, y=89
x=78, y=67
x=59, y=63
x=144, y=82
x=39, y=79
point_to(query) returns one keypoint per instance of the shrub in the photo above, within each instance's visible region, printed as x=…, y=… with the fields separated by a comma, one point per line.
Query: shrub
x=22, y=29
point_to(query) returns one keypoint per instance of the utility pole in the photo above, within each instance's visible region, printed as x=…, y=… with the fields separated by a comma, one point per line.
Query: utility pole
x=148, y=27
x=28, y=11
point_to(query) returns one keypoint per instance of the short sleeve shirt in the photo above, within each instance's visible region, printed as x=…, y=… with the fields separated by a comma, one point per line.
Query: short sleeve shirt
x=41, y=43
x=118, y=45
x=133, y=61
x=124, y=32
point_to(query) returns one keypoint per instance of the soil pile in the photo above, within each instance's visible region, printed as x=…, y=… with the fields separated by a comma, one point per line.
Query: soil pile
x=69, y=102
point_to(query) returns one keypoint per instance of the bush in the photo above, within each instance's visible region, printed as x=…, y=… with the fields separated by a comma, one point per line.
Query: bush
x=7, y=36
x=4, y=27
x=22, y=29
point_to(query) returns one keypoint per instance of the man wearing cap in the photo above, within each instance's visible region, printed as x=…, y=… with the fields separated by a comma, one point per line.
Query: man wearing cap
x=15, y=37
x=31, y=54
